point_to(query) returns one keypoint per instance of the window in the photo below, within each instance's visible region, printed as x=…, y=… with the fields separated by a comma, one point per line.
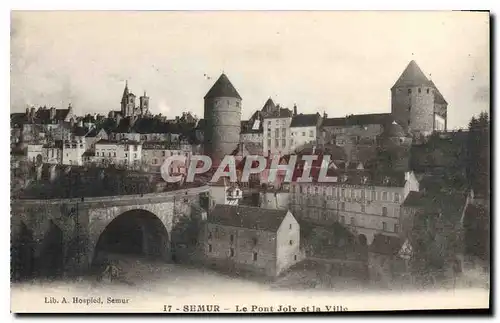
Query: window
x=352, y=221
x=290, y=242
x=283, y=132
x=209, y=248
x=268, y=142
x=231, y=251
x=384, y=196
x=135, y=148
x=254, y=256
x=396, y=197
x=384, y=211
x=342, y=219
x=276, y=143
x=231, y=237
x=283, y=143
x=135, y=155
x=114, y=154
x=353, y=194
x=342, y=192
x=427, y=91
x=109, y=154
x=155, y=161
x=374, y=195
x=419, y=90
x=384, y=226
x=269, y=123
x=342, y=206
x=254, y=241
x=97, y=153
x=295, y=257
x=396, y=228
x=303, y=134
x=363, y=194
x=300, y=189
x=277, y=133
x=311, y=133
x=290, y=226
x=163, y=153
x=363, y=209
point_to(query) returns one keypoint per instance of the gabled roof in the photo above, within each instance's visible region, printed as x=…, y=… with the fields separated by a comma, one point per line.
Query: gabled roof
x=386, y=245
x=222, y=88
x=80, y=131
x=248, y=217
x=412, y=76
x=450, y=205
x=279, y=112
x=305, y=120
x=268, y=106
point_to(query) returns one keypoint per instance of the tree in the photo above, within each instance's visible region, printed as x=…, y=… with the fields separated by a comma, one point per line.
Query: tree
x=478, y=154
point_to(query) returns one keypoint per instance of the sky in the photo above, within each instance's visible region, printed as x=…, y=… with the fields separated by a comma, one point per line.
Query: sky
x=335, y=62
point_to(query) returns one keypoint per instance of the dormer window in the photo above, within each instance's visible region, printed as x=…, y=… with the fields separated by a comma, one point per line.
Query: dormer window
x=427, y=91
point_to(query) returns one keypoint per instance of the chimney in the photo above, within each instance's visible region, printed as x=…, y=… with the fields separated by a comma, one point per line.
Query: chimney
x=314, y=149
x=70, y=108
x=28, y=112
x=52, y=113
x=80, y=123
x=294, y=109
x=32, y=115
x=325, y=115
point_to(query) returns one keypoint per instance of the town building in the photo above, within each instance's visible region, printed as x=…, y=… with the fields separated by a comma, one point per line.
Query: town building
x=122, y=153
x=255, y=239
x=303, y=130
x=154, y=155
x=53, y=152
x=73, y=151
x=364, y=201
x=276, y=126
x=128, y=104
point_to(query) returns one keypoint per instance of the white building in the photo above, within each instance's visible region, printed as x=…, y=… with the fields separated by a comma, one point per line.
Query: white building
x=366, y=204
x=303, y=130
x=123, y=153
x=154, y=155
x=276, y=134
x=73, y=151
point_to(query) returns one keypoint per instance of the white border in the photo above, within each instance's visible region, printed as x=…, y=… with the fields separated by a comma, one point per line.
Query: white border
x=180, y=5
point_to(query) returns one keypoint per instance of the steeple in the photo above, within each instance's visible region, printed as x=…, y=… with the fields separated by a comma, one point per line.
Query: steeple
x=125, y=93
x=412, y=76
x=269, y=105
x=222, y=88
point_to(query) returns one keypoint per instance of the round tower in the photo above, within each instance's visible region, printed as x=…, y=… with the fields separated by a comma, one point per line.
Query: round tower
x=223, y=120
x=412, y=101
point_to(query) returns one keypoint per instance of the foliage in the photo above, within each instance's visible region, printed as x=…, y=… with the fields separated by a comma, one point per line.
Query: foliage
x=478, y=154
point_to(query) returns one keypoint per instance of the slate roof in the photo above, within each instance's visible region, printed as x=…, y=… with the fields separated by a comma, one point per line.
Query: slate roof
x=116, y=142
x=17, y=119
x=80, y=131
x=412, y=76
x=305, y=120
x=94, y=132
x=358, y=119
x=248, y=217
x=268, y=106
x=222, y=88
x=386, y=245
x=247, y=125
x=279, y=112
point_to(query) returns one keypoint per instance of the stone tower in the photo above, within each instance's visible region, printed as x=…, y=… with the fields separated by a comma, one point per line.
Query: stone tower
x=416, y=103
x=144, y=104
x=223, y=120
x=128, y=102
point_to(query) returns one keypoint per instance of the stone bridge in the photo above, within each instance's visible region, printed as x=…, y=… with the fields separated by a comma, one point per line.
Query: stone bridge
x=66, y=233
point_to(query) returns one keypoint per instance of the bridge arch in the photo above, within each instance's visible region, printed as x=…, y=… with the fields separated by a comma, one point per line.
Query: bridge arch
x=133, y=232
x=22, y=253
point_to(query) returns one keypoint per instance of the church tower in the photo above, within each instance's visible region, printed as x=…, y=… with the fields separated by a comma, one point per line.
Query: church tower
x=416, y=103
x=144, y=105
x=128, y=102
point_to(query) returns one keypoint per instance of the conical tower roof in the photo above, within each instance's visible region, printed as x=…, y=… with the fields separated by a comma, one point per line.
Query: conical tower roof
x=412, y=76
x=222, y=88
